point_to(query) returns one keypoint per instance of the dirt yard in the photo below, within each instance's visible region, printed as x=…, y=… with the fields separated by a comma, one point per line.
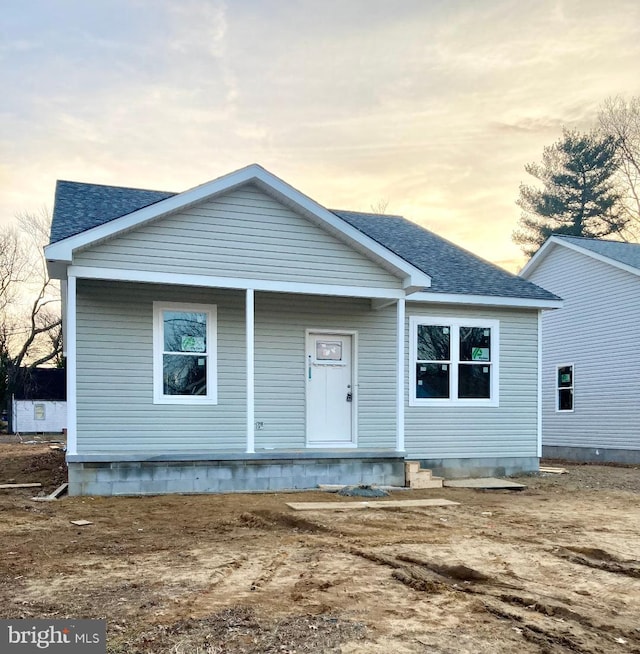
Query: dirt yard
x=553, y=568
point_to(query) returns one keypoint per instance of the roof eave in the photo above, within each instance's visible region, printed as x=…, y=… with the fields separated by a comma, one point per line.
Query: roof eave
x=486, y=300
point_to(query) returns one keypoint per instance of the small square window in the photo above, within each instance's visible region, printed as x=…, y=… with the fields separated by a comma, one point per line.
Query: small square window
x=39, y=411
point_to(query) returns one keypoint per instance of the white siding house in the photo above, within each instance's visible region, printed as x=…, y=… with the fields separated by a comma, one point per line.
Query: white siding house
x=241, y=336
x=39, y=402
x=591, y=353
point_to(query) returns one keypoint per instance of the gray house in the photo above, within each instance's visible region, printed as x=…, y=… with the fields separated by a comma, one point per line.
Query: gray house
x=241, y=336
x=591, y=353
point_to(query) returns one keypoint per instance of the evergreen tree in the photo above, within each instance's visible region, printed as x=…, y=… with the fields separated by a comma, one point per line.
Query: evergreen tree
x=578, y=195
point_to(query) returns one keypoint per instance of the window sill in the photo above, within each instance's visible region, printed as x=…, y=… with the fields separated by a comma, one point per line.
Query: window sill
x=453, y=403
x=195, y=401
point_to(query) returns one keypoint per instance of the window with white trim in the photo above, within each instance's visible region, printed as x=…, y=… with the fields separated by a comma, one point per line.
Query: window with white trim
x=184, y=343
x=453, y=361
x=564, y=387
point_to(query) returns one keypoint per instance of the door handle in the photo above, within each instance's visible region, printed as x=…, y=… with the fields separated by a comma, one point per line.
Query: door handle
x=349, y=397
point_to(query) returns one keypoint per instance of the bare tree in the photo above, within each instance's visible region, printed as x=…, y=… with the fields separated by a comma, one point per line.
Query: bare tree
x=380, y=206
x=620, y=119
x=30, y=322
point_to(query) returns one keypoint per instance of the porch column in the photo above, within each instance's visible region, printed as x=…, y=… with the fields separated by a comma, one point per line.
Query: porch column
x=539, y=439
x=250, y=331
x=70, y=341
x=400, y=320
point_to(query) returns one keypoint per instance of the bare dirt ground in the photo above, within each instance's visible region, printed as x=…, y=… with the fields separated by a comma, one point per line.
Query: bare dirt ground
x=553, y=568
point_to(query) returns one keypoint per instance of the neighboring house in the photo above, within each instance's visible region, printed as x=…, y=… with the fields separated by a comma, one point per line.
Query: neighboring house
x=241, y=336
x=39, y=403
x=591, y=349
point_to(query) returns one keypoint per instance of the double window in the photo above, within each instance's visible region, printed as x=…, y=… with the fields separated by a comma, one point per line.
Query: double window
x=564, y=387
x=184, y=342
x=453, y=361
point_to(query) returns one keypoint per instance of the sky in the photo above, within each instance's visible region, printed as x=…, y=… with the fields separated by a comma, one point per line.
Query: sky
x=430, y=108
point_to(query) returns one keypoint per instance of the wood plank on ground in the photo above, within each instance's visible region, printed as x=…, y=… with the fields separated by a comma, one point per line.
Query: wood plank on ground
x=490, y=483
x=8, y=486
x=52, y=497
x=555, y=471
x=369, y=504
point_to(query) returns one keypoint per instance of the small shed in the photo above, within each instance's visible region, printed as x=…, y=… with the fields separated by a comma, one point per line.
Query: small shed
x=39, y=403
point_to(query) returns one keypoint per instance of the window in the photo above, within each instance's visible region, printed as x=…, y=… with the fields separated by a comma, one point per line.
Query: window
x=184, y=342
x=564, y=387
x=39, y=412
x=453, y=361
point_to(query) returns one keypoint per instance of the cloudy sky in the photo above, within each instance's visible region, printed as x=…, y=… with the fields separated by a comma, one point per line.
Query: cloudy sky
x=431, y=106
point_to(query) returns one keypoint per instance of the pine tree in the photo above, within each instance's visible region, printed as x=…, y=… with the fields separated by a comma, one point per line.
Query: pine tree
x=578, y=197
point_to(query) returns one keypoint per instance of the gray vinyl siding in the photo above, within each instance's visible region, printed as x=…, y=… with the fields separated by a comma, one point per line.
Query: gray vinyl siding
x=598, y=331
x=115, y=370
x=244, y=233
x=280, y=367
x=508, y=430
x=115, y=373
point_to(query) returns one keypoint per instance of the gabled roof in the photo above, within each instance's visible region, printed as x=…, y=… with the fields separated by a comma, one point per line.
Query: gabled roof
x=78, y=224
x=87, y=213
x=619, y=254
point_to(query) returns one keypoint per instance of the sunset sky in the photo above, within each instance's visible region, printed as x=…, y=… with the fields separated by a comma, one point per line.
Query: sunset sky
x=431, y=106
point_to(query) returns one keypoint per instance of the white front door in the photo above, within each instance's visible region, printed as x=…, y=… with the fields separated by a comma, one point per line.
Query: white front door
x=330, y=392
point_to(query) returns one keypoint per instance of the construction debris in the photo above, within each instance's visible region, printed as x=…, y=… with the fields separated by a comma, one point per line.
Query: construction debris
x=81, y=523
x=363, y=490
x=380, y=504
x=554, y=471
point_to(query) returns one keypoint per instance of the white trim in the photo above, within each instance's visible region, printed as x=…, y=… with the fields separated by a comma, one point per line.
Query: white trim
x=556, y=387
x=63, y=312
x=276, y=187
x=250, y=345
x=455, y=322
x=211, y=354
x=546, y=248
x=354, y=388
x=539, y=411
x=208, y=281
x=484, y=300
x=400, y=324
x=71, y=335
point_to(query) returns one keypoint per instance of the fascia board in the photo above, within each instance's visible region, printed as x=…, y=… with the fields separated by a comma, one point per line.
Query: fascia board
x=63, y=250
x=537, y=258
x=485, y=300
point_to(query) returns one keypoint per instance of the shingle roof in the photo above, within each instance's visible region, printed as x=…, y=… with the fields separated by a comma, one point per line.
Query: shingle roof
x=627, y=253
x=452, y=268
x=80, y=206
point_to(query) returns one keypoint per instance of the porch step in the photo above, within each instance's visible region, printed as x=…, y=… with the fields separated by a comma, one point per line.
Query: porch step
x=417, y=479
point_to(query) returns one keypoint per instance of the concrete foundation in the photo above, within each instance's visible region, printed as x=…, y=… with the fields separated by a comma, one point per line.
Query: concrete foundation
x=591, y=454
x=101, y=475
x=491, y=467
